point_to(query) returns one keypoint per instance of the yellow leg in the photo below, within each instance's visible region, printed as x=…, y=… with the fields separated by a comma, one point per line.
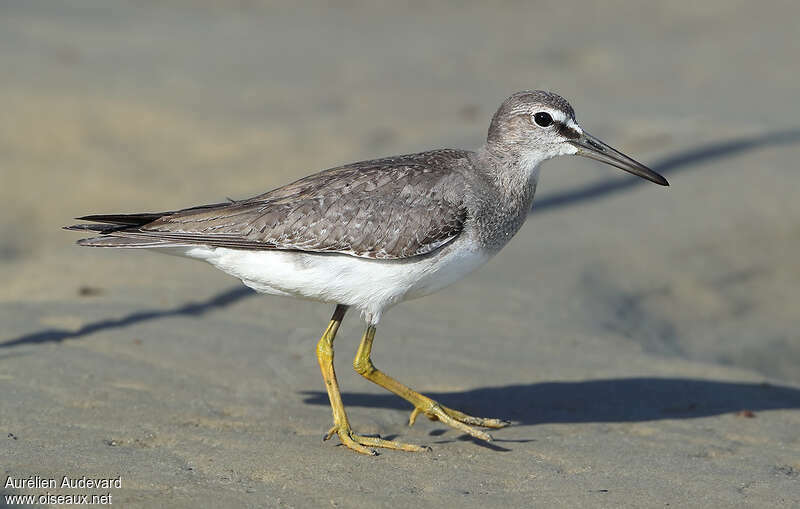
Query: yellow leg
x=422, y=404
x=341, y=426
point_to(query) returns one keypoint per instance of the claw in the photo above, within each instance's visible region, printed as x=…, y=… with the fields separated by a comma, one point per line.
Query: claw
x=458, y=420
x=362, y=443
x=327, y=436
x=413, y=417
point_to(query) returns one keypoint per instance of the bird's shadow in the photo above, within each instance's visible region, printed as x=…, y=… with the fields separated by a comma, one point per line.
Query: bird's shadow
x=54, y=335
x=607, y=400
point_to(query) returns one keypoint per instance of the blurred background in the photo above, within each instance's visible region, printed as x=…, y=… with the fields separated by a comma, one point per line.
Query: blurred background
x=156, y=105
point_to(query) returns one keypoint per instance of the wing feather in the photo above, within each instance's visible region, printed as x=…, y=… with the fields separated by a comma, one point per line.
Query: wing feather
x=386, y=209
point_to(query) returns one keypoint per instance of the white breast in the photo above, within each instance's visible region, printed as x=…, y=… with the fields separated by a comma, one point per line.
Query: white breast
x=368, y=285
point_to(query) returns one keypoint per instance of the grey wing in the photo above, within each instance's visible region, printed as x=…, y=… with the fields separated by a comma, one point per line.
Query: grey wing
x=385, y=209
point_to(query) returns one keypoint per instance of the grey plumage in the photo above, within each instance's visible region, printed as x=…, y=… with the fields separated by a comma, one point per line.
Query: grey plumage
x=388, y=208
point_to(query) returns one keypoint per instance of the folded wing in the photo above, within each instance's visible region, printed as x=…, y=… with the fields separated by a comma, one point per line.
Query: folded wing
x=385, y=209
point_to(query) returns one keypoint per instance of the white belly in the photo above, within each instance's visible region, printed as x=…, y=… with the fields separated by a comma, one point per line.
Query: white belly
x=368, y=285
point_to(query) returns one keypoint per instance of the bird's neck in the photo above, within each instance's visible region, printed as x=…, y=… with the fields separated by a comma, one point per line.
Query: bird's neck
x=509, y=183
x=515, y=173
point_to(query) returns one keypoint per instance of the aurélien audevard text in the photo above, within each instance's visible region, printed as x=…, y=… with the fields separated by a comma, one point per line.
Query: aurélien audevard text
x=83, y=482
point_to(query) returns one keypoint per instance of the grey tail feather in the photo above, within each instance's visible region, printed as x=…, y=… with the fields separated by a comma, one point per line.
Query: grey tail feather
x=102, y=228
x=108, y=224
x=126, y=242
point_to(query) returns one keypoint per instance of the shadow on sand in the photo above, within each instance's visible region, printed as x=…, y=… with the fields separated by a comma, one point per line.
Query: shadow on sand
x=612, y=400
x=220, y=300
x=667, y=166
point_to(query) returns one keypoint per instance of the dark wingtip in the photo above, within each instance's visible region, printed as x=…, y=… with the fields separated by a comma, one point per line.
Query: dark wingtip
x=123, y=219
x=81, y=227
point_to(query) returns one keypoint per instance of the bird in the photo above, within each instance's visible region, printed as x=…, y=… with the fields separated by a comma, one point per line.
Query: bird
x=372, y=234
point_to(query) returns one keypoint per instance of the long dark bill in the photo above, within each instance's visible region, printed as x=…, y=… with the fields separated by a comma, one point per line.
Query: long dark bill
x=591, y=147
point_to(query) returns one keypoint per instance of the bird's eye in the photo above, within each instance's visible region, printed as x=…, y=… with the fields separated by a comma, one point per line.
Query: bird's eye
x=543, y=119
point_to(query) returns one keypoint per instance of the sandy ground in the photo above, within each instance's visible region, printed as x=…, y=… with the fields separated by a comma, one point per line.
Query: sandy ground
x=644, y=340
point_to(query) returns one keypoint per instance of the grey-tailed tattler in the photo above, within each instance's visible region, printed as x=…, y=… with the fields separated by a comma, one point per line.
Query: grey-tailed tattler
x=372, y=234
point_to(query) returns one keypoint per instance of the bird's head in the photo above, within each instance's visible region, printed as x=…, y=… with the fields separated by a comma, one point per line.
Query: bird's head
x=536, y=125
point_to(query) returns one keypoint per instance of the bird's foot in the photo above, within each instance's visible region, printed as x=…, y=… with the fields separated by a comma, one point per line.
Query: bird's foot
x=362, y=443
x=458, y=420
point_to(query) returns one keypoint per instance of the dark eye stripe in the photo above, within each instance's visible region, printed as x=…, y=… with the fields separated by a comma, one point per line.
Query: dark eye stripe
x=568, y=132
